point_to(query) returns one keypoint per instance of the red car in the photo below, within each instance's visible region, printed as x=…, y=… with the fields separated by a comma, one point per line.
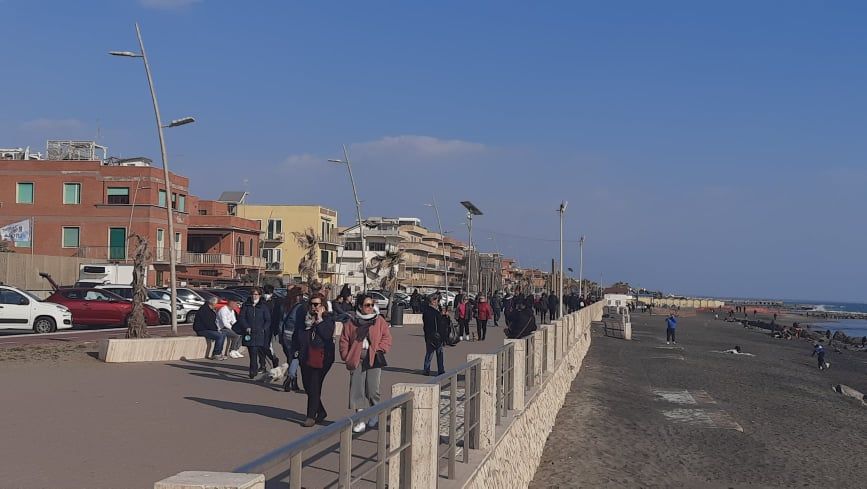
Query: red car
x=99, y=307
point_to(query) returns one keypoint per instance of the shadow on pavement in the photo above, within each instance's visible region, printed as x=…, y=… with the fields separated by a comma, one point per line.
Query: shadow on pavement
x=267, y=411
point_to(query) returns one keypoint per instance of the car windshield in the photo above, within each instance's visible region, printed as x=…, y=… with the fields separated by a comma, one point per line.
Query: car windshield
x=153, y=294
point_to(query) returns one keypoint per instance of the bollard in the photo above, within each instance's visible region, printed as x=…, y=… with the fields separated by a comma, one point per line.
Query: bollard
x=425, y=435
x=487, y=399
x=518, y=387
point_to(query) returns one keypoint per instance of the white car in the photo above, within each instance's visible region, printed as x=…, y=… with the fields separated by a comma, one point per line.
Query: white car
x=155, y=300
x=20, y=309
x=381, y=300
x=189, y=303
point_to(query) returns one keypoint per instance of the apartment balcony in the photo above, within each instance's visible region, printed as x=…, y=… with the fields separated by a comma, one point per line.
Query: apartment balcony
x=330, y=238
x=418, y=246
x=415, y=263
x=121, y=254
x=330, y=268
x=273, y=238
x=274, y=266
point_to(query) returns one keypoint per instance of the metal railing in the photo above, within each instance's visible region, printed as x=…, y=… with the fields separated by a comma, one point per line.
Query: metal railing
x=461, y=429
x=294, y=452
x=545, y=339
x=505, y=393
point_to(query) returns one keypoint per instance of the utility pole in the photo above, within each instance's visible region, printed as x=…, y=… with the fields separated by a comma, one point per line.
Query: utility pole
x=581, y=267
x=562, y=211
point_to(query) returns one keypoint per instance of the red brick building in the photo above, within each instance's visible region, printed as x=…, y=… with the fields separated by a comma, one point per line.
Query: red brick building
x=89, y=209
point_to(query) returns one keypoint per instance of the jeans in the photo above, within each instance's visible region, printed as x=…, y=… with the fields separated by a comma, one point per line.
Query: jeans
x=313, y=380
x=464, y=327
x=669, y=334
x=430, y=349
x=291, y=360
x=482, y=328
x=821, y=359
x=233, y=337
x=217, y=337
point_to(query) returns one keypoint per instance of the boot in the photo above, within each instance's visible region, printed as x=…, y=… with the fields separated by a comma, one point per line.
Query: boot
x=287, y=384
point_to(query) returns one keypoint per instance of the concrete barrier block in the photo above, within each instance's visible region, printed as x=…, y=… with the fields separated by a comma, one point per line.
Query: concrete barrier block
x=412, y=319
x=118, y=350
x=212, y=480
x=425, y=432
x=487, y=399
x=518, y=371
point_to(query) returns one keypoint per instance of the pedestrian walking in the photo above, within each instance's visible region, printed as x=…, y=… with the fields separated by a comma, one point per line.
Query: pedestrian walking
x=267, y=353
x=343, y=304
x=364, y=342
x=436, y=331
x=542, y=306
x=483, y=314
x=295, y=311
x=416, y=302
x=463, y=313
x=497, y=306
x=670, y=328
x=205, y=324
x=254, y=321
x=819, y=353
x=553, y=306
x=315, y=344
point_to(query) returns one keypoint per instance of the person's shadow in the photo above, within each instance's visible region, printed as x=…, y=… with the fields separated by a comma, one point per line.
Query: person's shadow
x=268, y=411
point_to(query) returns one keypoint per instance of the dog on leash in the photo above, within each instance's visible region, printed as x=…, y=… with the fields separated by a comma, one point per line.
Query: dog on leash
x=278, y=373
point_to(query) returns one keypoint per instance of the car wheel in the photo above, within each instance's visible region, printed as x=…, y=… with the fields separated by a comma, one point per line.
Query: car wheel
x=191, y=316
x=44, y=325
x=165, y=317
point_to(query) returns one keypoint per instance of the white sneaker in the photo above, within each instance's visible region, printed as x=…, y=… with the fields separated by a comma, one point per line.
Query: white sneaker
x=359, y=428
x=238, y=352
x=233, y=354
x=667, y=342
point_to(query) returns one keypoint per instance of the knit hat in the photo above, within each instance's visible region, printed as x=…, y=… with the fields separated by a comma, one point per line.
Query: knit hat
x=345, y=292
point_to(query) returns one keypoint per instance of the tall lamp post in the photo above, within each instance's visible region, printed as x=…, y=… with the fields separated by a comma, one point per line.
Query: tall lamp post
x=442, y=242
x=167, y=181
x=562, y=211
x=581, y=268
x=472, y=210
x=346, y=161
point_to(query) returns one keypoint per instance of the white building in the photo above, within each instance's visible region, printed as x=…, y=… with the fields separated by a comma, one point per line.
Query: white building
x=380, y=235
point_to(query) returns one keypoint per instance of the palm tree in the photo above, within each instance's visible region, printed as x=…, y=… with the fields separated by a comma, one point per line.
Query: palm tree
x=137, y=326
x=391, y=262
x=308, y=265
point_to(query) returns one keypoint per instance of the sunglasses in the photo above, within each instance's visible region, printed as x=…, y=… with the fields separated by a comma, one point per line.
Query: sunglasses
x=368, y=304
x=315, y=304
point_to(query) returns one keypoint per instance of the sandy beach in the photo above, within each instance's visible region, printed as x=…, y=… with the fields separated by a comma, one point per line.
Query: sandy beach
x=645, y=414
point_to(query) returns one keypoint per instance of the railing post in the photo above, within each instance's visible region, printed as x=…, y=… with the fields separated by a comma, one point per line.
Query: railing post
x=538, y=342
x=487, y=402
x=549, y=347
x=519, y=353
x=558, y=338
x=425, y=435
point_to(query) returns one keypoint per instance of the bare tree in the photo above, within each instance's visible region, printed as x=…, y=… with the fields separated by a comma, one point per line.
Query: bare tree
x=308, y=265
x=136, y=325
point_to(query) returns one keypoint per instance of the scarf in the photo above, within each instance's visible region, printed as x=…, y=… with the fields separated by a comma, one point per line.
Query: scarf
x=363, y=322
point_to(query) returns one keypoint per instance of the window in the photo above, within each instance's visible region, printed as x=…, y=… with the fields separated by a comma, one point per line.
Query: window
x=162, y=198
x=323, y=258
x=239, y=249
x=275, y=226
x=71, y=193
x=13, y=298
x=182, y=203
x=92, y=295
x=118, y=195
x=24, y=193
x=203, y=212
x=375, y=246
x=178, y=241
x=71, y=237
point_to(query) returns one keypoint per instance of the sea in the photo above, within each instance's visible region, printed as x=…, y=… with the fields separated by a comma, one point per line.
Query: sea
x=852, y=327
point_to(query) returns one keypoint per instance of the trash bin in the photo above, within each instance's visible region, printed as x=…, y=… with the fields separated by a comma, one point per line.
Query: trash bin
x=397, y=314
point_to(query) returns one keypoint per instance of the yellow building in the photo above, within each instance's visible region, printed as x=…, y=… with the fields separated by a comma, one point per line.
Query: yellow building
x=279, y=247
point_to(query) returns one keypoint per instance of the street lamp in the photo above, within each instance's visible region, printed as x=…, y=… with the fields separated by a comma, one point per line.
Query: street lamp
x=167, y=181
x=562, y=211
x=348, y=164
x=472, y=210
x=581, y=268
x=442, y=242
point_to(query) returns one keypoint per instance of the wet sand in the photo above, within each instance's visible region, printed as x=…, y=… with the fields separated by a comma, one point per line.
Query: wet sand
x=647, y=414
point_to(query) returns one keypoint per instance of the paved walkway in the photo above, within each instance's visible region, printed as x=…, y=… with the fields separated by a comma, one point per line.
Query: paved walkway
x=81, y=423
x=647, y=414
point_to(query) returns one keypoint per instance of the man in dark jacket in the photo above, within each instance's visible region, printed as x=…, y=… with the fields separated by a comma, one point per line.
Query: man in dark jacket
x=553, y=306
x=435, y=333
x=205, y=325
x=255, y=322
x=523, y=321
x=497, y=306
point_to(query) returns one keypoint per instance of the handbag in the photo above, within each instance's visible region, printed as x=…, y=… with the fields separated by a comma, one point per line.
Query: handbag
x=379, y=360
x=315, y=355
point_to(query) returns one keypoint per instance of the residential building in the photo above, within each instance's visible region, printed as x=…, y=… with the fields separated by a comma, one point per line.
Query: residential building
x=86, y=206
x=280, y=249
x=490, y=272
x=381, y=235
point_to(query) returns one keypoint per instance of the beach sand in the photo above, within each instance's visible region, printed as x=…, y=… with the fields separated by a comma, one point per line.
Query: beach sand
x=647, y=414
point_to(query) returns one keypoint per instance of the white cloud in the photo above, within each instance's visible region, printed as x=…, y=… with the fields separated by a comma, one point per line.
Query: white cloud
x=420, y=146
x=168, y=4
x=52, y=125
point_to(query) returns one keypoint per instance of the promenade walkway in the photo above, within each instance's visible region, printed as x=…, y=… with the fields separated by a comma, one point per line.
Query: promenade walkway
x=645, y=414
x=80, y=423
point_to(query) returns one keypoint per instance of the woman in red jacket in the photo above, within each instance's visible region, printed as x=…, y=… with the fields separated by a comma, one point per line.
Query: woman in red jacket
x=483, y=314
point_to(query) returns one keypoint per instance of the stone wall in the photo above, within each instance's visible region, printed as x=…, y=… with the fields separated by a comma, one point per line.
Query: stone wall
x=515, y=455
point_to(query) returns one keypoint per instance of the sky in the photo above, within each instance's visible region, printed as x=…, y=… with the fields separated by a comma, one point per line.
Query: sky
x=706, y=148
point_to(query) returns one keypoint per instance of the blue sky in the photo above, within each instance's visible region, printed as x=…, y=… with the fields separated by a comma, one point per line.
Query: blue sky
x=705, y=149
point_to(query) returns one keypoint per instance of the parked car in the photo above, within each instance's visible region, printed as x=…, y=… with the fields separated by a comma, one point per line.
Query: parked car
x=221, y=301
x=399, y=297
x=99, y=307
x=186, y=311
x=20, y=309
x=155, y=300
x=381, y=300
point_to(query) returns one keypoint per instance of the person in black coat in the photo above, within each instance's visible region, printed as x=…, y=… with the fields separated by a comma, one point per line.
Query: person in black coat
x=254, y=321
x=205, y=325
x=553, y=306
x=523, y=321
x=436, y=331
x=315, y=347
x=497, y=306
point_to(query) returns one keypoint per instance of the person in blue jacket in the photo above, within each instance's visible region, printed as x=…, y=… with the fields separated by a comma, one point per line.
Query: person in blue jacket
x=254, y=321
x=819, y=353
x=670, y=328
